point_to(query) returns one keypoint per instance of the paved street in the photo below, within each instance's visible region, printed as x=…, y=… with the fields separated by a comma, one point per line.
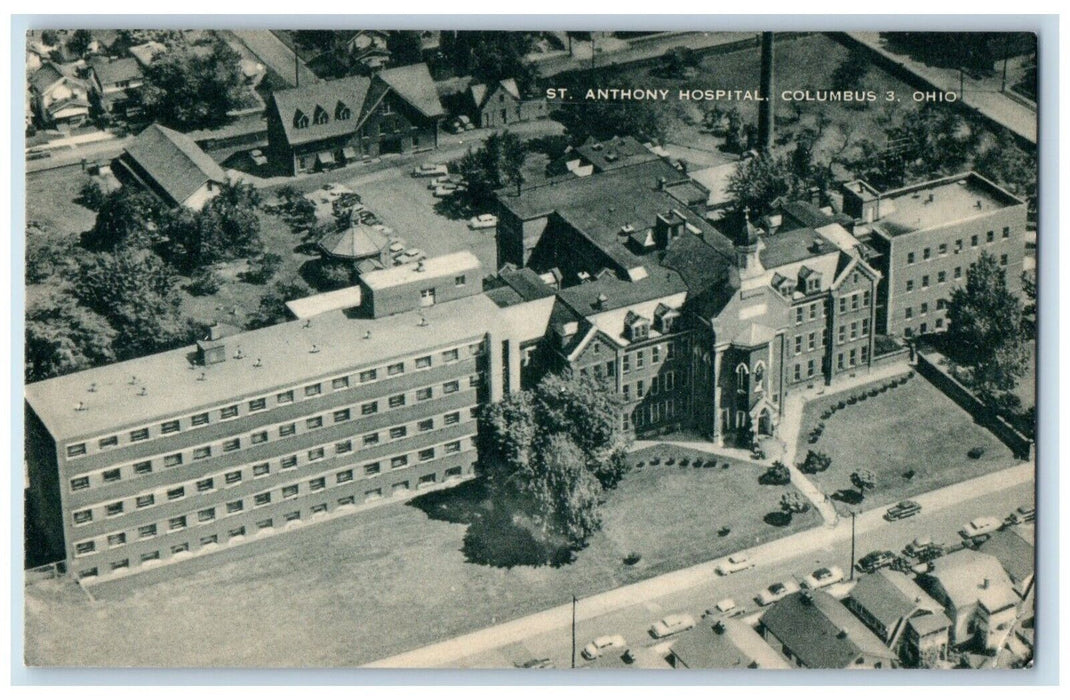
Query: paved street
x=631, y=609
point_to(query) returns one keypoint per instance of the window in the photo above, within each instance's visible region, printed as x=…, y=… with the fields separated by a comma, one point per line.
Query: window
x=370, y=469
x=79, y=483
x=85, y=547
x=639, y=389
x=176, y=493
x=343, y=447
x=205, y=485
x=235, y=506
x=865, y=327
x=344, y=476
x=451, y=355
x=426, y=455
x=813, y=311
x=397, y=400
x=941, y=277
x=626, y=364
x=925, y=282
x=973, y=240
x=910, y=258
x=924, y=308
x=926, y=254
x=852, y=357
x=233, y=477
x=854, y=302
x=179, y=548
x=258, y=404
x=910, y=285
x=292, y=516
x=229, y=412
x=809, y=368
x=424, y=394
x=199, y=419
x=425, y=425
x=317, y=484
x=395, y=369
x=111, y=475
x=1003, y=259
x=798, y=344
x=145, y=501
x=341, y=112
x=639, y=359
x=258, y=438
x=656, y=353
x=939, y=323
x=76, y=450
x=206, y=515
x=427, y=297
x=288, y=429
x=110, y=441
x=314, y=422
x=909, y=312
x=798, y=371
x=990, y=236
x=83, y=516
x=232, y=444
x=398, y=432
x=290, y=491
x=262, y=499
x=842, y=336
x=285, y=397
x=139, y=435
x=146, y=531
x=452, y=418
x=423, y=362
x=346, y=501
x=300, y=120
x=117, y=540
x=288, y=462
x=811, y=341
x=150, y=556
x=943, y=249
x=262, y=469
x=454, y=386
x=941, y=304
x=370, y=439
x=839, y=361
x=202, y=452
x=399, y=461
x=452, y=447
x=315, y=453
x=367, y=375
x=209, y=539
x=799, y=315
x=341, y=416
x=854, y=330
x=369, y=408
x=958, y=273
x=313, y=390
x=843, y=305
x=958, y=245
x=626, y=390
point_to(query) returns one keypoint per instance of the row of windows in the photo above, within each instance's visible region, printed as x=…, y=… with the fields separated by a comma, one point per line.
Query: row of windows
x=209, y=514
x=812, y=340
x=923, y=309
x=263, y=434
x=665, y=382
x=639, y=356
x=909, y=330
x=856, y=300
x=975, y=240
x=812, y=310
x=232, y=477
x=89, y=547
x=652, y=413
x=852, y=357
x=843, y=337
x=309, y=391
x=941, y=275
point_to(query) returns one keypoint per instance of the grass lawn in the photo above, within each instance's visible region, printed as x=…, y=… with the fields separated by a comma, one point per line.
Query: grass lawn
x=1026, y=390
x=50, y=204
x=383, y=581
x=912, y=427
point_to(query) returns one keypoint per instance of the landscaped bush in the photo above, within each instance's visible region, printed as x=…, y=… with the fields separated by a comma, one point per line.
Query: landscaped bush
x=204, y=281
x=655, y=461
x=697, y=464
x=826, y=414
x=684, y=461
x=851, y=401
x=724, y=531
x=862, y=397
x=841, y=404
x=640, y=464
x=873, y=392
x=975, y=452
x=632, y=558
x=670, y=461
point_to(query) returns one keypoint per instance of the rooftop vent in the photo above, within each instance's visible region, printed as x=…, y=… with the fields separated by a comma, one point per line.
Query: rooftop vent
x=82, y=406
x=142, y=391
x=979, y=205
x=985, y=583
x=258, y=363
x=307, y=323
x=314, y=349
x=92, y=387
x=423, y=321
x=201, y=377
x=807, y=598
x=600, y=302
x=367, y=335
x=719, y=627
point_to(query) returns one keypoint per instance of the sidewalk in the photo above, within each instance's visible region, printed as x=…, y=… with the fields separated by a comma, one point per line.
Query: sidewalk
x=448, y=652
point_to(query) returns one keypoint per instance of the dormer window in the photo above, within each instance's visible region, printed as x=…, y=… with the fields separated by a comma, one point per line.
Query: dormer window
x=320, y=115
x=636, y=327
x=341, y=112
x=300, y=120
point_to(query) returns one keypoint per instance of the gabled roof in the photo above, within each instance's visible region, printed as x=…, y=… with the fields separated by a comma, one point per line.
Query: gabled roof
x=890, y=596
x=47, y=75
x=732, y=644
x=969, y=577
x=176, y=164
x=145, y=53
x=119, y=70
x=1015, y=553
x=481, y=93
x=414, y=85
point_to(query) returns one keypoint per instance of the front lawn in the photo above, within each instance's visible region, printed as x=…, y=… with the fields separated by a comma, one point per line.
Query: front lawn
x=356, y=589
x=912, y=437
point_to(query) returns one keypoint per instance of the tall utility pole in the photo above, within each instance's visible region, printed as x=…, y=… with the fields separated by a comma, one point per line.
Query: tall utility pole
x=573, y=631
x=765, y=110
x=852, y=545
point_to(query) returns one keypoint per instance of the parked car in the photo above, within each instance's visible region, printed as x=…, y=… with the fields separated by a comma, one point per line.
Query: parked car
x=903, y=509
x=985, y=525
x=446, y=181
x=429, y=170
x=446, y=190
x=923, y=548
x=672, y=624
x=825, y=576
x=734, y=563
x=601, y=645
x=725, y=608
x=535, y=663
x=875, y=560
x=1022, y=514
x=482, y=221
x=777, y=591
x=258, y=157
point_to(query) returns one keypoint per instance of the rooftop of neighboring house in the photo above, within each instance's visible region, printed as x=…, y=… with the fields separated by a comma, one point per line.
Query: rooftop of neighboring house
x=140, y=391
x=939, y=202
x=481, y=92
x=715, y=179
x=144, y=53
x=890, y=596
x=1014, y=549
x=174, y=161
x=821, y=632
x=969, y=577
x=114, y=71
x=728, y=644
x=49, y=74
x=617, y=152
x=516, y=286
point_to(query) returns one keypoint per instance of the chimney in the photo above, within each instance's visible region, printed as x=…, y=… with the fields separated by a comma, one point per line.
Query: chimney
x=600, y=302
x=984, y=584
x=661, y=183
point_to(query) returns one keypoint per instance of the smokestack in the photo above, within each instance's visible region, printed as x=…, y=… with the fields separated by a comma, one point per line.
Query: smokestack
x=765, y=110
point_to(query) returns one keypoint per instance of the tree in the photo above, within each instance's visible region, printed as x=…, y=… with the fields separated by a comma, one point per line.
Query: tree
x=496, y=164
x=760, y=181
x=186, y=90
x=62, y=336
x=815, y=462
x=78, y=43
x=491, y=56
x=91, y=195
x=125, y=217
x=984, y=327
x=863, y=479
x=778, y=474
x=792, y=502
x=405, y=47
x=849, y=74
x=646, y=121
x=272, y=308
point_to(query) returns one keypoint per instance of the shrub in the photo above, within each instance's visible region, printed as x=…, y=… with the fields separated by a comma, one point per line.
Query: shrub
x=863, y=397
x=873, y=392
x=910, y=375
x=632, y=558
x=670, y=461
x=684, y=461
x=841, y=404
x=826, y=414
x=655, y=461
x=975, y=452
x=852, y=401
x=639, y=464
x=724, y=531
x=204, y=281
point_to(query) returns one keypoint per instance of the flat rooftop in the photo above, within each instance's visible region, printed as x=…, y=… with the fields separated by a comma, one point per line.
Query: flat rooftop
x=453, y=263
x=939, y=203
x=307, y=307
x=172, y=380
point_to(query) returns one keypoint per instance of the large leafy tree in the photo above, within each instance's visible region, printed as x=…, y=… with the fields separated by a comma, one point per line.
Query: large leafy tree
x=125, y=217
x=63, y=336
x=645, y=121
x=863, y=479
x=187, y=89
x=984, y=327
x=490, y=56
x=760, y=182
x=494, y=165
x=404, y=47
x=225, y=229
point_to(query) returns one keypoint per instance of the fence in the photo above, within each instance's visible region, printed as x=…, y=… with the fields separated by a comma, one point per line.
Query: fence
x=45, y=572
x=1020, y=445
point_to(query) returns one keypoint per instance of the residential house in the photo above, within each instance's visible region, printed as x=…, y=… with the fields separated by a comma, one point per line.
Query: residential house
x=977, y=594
x=114, y=83
x=369, y=48
x=725, y=644
x=1015, y=550
x=59, y=99
x=814, y=630
x=500, y=104
x=324, y=125
x=171, y=166
x=600, y=156
x=145, y=53
x=889, y=603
